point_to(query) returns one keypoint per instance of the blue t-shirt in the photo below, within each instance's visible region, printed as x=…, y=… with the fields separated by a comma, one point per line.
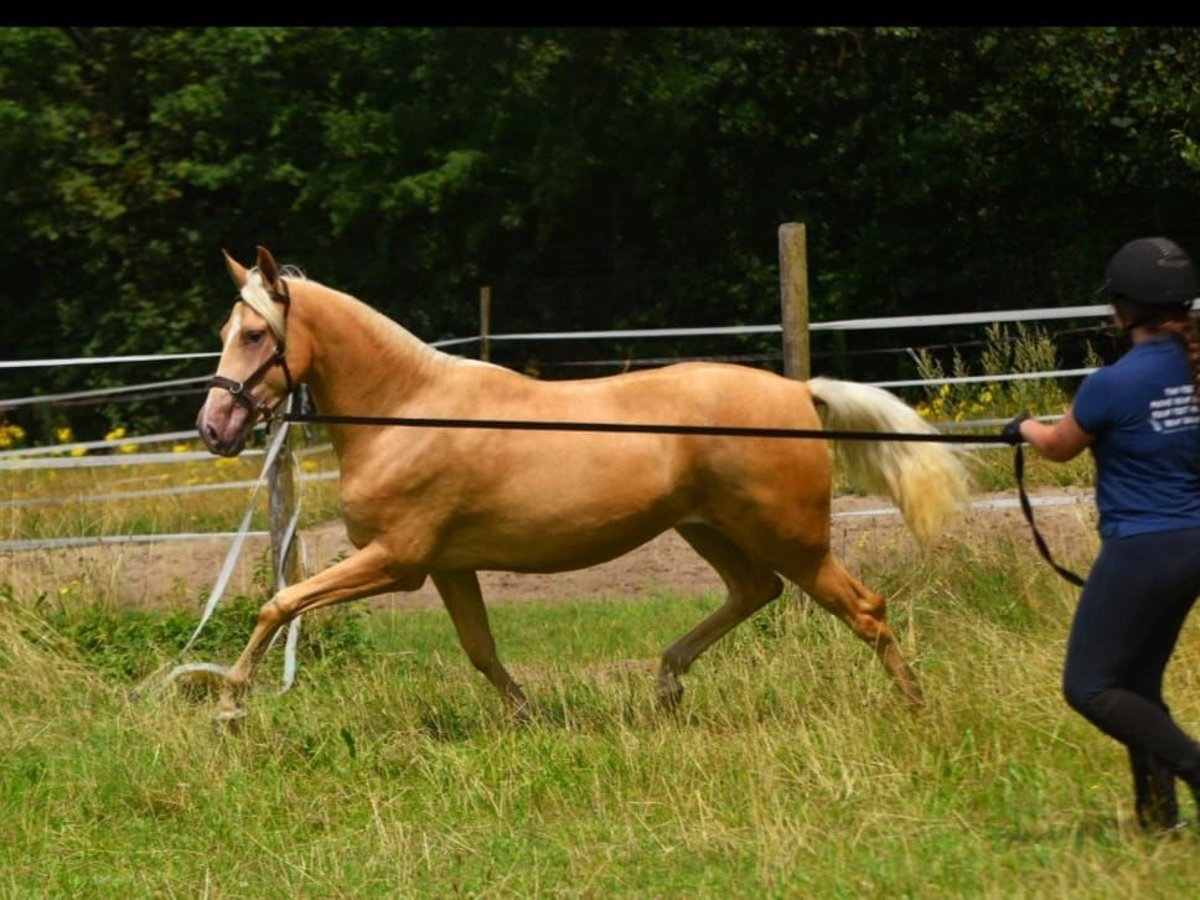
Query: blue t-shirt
x=1142, y=410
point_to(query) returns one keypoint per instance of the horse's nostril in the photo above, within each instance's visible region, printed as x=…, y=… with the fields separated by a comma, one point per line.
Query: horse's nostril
x=211, y=433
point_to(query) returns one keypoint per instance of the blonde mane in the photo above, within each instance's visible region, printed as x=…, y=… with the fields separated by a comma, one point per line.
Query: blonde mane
x=254, y=293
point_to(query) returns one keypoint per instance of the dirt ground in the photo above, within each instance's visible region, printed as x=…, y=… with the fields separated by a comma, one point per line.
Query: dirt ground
x=182, y=573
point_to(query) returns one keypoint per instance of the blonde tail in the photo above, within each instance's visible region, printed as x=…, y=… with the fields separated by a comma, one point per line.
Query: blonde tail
x=926, y=480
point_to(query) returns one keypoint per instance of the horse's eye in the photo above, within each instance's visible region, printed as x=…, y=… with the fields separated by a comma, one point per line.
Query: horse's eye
x=255, y=337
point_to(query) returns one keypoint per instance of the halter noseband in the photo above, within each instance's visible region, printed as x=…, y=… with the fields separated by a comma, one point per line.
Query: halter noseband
x=241, y=389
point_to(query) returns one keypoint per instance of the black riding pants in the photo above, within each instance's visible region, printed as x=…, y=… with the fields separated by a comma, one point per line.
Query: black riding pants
x=1136, y=599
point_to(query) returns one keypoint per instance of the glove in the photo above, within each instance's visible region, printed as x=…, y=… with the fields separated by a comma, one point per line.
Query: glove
x=1011, y=432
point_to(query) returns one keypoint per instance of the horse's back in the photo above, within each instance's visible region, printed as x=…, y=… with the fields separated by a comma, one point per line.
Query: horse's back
x=687, y=393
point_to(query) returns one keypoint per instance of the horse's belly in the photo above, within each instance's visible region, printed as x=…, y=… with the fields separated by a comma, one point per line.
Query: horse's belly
x=550, y=548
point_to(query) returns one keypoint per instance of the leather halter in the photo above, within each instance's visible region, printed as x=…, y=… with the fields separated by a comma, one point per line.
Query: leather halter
x=241, y=389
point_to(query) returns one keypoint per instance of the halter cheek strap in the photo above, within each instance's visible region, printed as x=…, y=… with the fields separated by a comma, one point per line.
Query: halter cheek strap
x=241, y=390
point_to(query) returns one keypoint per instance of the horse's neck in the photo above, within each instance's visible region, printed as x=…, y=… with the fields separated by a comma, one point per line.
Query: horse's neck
x=362, y=363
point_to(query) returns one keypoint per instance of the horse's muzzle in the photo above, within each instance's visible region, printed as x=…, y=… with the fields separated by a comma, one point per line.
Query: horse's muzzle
x=224, y=435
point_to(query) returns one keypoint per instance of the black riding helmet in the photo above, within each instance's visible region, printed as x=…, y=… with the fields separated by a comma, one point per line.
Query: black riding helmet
x=1151, y=271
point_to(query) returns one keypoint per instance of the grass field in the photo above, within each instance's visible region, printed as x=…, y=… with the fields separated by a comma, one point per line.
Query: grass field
x=793, y=769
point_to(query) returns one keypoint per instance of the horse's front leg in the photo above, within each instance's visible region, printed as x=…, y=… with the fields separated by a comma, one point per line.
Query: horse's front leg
x=371, y=570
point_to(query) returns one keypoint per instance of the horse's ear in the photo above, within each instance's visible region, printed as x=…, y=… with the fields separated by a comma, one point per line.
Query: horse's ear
x=268, y=268
x=236, y=270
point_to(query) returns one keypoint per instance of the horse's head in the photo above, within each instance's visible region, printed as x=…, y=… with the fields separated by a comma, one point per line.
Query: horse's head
x=253, y=376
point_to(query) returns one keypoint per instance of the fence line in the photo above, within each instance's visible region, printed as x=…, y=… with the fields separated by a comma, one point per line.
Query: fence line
x=151, y=492
x=17, y=459
x=99, y=360
x=917, y=321
x=85, y=541
x=981, y=379
x=98, y=392
x=106, y=539
x=120, y=459
x=1019, y=376
x=163, y=437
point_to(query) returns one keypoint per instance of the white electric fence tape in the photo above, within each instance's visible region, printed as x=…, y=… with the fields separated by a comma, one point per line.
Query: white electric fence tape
x=104, y=462
x=40, y=399
x=110, y=443
x=70, y=543
x=96, y=360
x=148, y=492
x=1098, y=310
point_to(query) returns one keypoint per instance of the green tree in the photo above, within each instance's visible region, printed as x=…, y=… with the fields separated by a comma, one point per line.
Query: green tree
x=594, y=177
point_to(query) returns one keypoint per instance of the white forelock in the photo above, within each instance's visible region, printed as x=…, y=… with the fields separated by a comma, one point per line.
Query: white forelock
x=254, y=293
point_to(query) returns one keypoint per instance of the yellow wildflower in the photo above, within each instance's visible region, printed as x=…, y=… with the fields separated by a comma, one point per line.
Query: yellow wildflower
x=11, y=434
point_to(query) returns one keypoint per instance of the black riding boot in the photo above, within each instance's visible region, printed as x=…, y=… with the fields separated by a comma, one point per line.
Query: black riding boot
x=1191, y=777
x=1154, y=792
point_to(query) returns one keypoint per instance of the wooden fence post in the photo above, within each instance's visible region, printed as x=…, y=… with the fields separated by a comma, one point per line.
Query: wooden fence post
x=793, y=298
x=485, y=322
x=793, y=293
x=281, y=507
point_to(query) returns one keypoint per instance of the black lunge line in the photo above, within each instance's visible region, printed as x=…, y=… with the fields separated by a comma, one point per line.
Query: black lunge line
x=714, y=431
x=636, y=428
x=1027, y=509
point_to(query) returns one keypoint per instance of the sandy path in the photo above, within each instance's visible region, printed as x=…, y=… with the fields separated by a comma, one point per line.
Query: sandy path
x=182, y=573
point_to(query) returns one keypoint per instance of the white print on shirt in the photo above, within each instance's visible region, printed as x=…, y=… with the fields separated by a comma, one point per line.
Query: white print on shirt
x=1176, y=410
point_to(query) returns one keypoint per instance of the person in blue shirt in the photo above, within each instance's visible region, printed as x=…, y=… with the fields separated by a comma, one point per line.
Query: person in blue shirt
x=1139, y=418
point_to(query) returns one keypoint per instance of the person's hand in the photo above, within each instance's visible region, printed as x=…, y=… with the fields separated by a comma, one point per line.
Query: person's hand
x=1011, y=432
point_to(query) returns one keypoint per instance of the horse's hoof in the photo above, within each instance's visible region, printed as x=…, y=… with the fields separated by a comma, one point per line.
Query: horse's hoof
x=669, y=692
x=229, y=719
x=913, y=693
x=519, y=709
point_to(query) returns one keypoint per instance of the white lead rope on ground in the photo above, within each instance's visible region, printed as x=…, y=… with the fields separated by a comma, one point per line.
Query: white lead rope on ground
x=293, y=635
x=235, y=549
x=218, y=588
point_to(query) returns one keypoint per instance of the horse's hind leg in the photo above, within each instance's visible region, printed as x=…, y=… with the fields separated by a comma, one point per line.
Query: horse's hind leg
x=464, y=601
x=750, y=586
x=860, y=608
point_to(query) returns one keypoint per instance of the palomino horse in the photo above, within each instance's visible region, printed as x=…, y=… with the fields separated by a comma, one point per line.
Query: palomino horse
x=429, y=502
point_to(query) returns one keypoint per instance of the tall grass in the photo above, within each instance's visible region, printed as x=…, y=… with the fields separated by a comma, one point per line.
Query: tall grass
x=793, y=768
